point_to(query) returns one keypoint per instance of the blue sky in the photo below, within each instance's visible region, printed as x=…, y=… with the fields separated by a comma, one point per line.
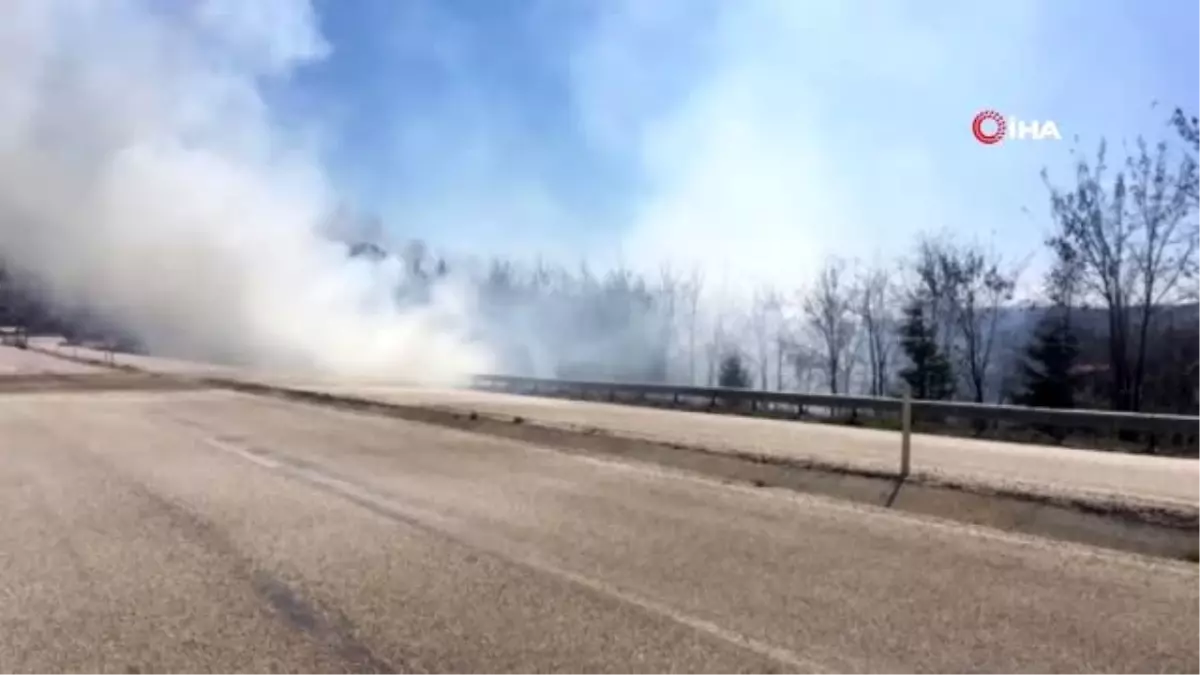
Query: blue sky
x=749, y=138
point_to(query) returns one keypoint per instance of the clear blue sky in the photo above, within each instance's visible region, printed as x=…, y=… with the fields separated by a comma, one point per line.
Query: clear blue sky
x=754, y=137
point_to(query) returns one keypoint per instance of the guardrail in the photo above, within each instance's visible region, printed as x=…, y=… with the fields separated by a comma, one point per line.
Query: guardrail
x=1155, y=428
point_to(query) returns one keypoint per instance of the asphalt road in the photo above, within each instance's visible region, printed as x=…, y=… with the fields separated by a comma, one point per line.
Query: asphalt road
x=1043, y=469
x=212, y=531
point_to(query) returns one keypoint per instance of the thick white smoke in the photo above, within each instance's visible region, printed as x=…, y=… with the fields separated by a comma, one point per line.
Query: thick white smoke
x=141, y=176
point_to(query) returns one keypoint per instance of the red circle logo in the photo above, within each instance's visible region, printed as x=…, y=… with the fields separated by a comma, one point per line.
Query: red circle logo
x=983, y=136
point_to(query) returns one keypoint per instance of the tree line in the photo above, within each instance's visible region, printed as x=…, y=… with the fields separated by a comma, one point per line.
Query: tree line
x=1114, y=323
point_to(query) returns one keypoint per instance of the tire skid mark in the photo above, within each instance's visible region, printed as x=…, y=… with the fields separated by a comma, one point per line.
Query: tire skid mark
x=441, y=526
x=325, y=625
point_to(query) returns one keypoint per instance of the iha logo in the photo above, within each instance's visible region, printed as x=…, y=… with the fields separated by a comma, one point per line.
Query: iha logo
x=990, y=127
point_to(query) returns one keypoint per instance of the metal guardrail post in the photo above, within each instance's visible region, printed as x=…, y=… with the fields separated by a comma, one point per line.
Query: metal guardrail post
x=906, y=434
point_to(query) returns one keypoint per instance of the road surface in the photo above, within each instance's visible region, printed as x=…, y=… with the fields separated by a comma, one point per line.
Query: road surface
x=214, y=531
x=1037, y=468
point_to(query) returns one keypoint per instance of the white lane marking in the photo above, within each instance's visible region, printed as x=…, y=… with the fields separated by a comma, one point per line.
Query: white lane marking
x=255, y=457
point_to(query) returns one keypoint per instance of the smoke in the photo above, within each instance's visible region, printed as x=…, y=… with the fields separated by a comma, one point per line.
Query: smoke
x=722, y=127
x=752, y=140
x=143, y=178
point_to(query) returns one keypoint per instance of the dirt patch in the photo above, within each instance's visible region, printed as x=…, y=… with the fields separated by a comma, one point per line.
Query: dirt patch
x=1142, y=527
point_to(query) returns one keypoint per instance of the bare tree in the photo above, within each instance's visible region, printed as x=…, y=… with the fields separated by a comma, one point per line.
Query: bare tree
x=1161, y=201
x=669, y=295
x=766, y=333
x=806, y=362
x=717, y=345
x=933, y=286
x=874, y=310
x=853, y=357
x=828, y=308
x=1136, y=242
x=783, y=338
x=757, y=323
x=980, y=290
x=692, y=290
x=966, y=288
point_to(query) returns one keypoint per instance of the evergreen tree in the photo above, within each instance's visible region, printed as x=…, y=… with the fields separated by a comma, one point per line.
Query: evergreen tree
x=928, y=375
x=1049, y=361
x=1048, y=368
x=733, y=373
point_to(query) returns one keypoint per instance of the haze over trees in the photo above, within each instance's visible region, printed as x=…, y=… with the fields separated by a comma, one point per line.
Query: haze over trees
x=1114, y=323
